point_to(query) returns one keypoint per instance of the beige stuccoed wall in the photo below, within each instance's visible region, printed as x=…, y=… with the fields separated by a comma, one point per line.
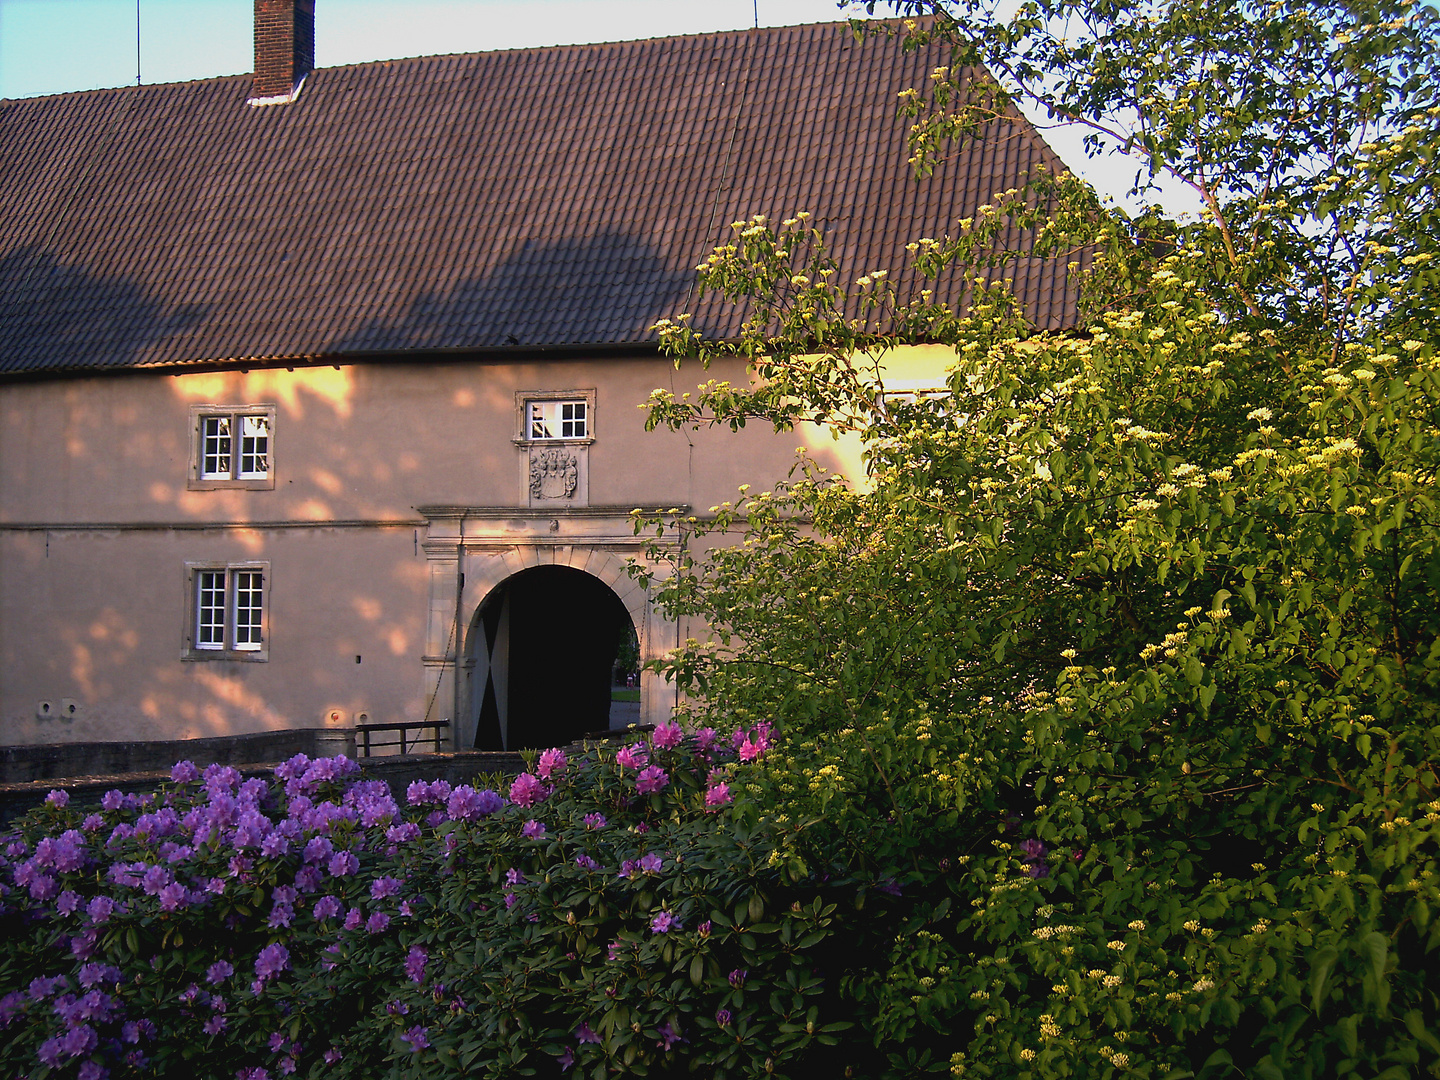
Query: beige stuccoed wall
x=100, y=619
x=97, y=521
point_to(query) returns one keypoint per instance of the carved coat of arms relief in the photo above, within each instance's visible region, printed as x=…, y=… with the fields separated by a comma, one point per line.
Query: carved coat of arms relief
x=554, y=474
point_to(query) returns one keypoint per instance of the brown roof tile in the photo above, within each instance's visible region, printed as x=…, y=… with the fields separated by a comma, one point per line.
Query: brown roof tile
x=542, y=197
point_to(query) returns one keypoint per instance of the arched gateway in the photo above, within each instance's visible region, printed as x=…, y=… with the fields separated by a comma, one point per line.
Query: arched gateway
x=527, y=609
x=539, y=659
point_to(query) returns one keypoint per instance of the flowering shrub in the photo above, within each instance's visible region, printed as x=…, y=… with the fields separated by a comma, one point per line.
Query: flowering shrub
x=1147, y=625
x=600, y=916
x=1142, y=617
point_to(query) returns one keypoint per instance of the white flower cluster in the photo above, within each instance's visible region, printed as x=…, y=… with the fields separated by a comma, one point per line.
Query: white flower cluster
x=1255, y=453
x=1132, y=430
x=1045, y=933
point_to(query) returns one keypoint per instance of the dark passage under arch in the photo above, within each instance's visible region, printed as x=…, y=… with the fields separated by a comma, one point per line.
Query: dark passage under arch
x=541, y=651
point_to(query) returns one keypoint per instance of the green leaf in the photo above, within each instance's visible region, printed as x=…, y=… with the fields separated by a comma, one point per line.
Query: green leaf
x=1320, y=971
x=1415, y=1024
x=1216, y=1065
x=1375, y=948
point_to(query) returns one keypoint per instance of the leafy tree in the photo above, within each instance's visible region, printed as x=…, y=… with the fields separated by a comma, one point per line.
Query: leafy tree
x=1108, y=704
x=1160, y=593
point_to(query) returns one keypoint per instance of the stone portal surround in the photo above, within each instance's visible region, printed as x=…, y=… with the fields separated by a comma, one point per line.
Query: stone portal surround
x=489, y=545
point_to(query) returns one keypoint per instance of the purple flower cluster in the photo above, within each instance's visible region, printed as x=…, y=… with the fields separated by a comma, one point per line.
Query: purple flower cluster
x=184, y=772
x=415, y=961
x=1032, y=853
x=753, y=743
x=273, y=959
x=552, y=765
x=219, y=971
x=305, y=870
x=633, y=756
x=421, y=793
x=384, y=887
x=666, y=736
x=652, y=780
x=467, y=804
x=343, y=864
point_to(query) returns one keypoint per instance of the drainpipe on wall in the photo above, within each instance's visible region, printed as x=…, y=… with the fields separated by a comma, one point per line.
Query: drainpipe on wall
x=459, y=632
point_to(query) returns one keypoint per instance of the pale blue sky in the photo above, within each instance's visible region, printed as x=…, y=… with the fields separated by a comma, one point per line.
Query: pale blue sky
x=51, y=46
x=56, y=46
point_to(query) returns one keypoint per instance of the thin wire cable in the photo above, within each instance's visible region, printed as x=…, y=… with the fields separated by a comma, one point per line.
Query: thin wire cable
x=439, y=679
x=713, y=240
x=710, y=236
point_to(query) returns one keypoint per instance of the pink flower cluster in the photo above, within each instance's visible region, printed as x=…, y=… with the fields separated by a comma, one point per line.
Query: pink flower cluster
x=747, y=744
x=527, y=790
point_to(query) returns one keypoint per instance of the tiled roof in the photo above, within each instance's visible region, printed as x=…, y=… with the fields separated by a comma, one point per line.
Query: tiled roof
x=534, y=198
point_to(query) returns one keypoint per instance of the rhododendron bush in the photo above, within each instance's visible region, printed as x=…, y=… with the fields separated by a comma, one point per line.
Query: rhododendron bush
x=625, y=910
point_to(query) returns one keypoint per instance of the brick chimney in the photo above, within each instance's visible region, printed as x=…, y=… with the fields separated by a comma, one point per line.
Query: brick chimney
x=284, y=49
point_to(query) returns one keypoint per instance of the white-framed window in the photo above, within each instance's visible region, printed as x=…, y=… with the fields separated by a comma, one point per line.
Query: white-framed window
x=233, y=446
x=555, y=416
x=559, y=420
x=226, y=611
x=911, y=392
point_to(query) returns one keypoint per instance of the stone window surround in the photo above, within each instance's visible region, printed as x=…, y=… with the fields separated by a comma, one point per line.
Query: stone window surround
x=198, y=415
x=189, y=650
x=523, y=398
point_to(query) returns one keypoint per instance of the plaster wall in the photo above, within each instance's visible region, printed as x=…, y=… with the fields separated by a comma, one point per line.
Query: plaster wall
x=99, y=515
x=98, y=618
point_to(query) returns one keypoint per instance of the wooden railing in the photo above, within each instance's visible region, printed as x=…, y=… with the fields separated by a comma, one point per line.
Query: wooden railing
x=366, y=740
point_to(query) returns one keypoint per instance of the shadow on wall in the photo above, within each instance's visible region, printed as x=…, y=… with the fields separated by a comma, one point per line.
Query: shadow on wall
x=47, y=312
x=613, y=284
x=119, y=669
x=127, y=650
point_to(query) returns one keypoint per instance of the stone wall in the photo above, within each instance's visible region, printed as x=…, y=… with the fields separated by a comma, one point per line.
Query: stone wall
x=23, y=764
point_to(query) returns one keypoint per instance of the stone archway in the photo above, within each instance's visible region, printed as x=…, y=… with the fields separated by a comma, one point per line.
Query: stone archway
x=539, y=654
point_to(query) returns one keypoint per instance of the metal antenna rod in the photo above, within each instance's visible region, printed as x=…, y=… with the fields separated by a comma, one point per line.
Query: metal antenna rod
x=137, y=42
